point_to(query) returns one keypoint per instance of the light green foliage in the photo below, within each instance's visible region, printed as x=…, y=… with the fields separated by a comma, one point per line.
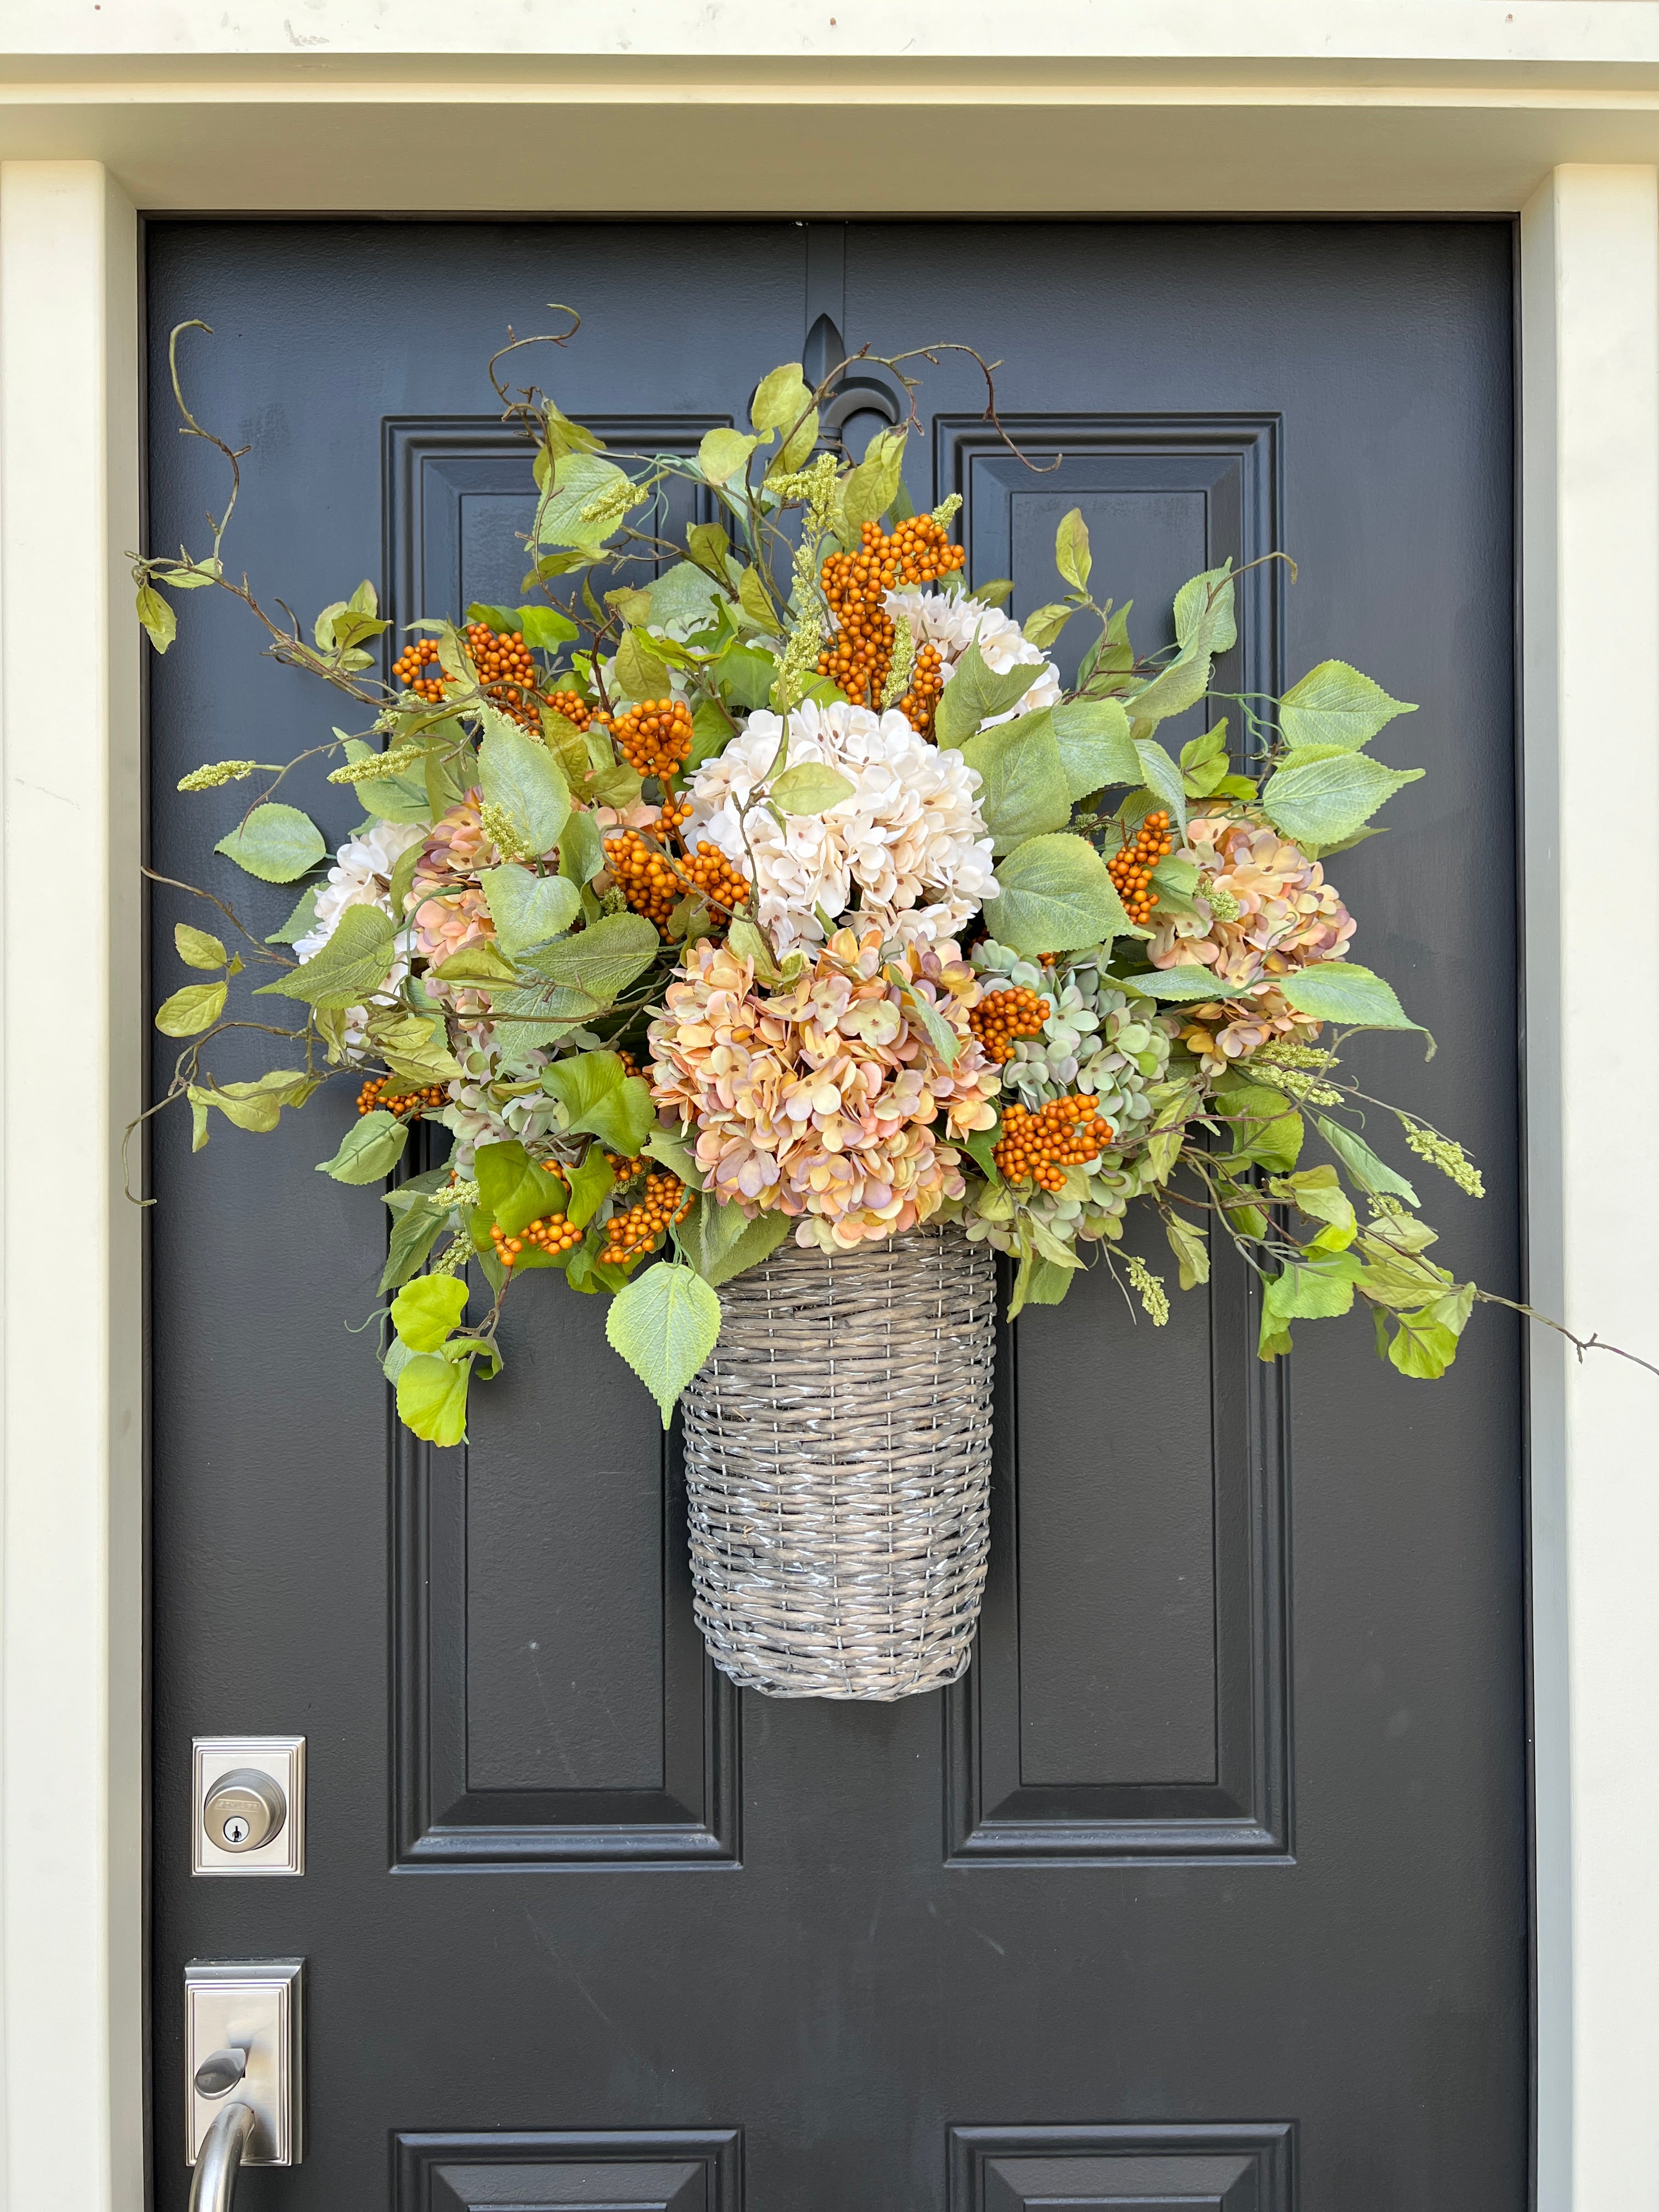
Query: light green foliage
x=665, y=1324
x=589, y=1186
x=1024, y=781
x=1191, y=1247
x=524, y=780
x=684, y=595
x=157, y=617
x=528, y=909
x=276, y=843
x=353, y=964
x=197, y=948
x=1339, y=991
x=1095, y=746
x=1204, y=627
x=810, y=788
x=579, y=480
x=370, y=1148
x=1318, y=801
x=602, y=960
x=1044, y=623
x=1187, y=983
x=1072, y=555
x=973, y=693
x=415, y=1228
x=1056, y=896
x=1335, y=705
x=425, y=1313
x=721, y=1242
x=602, y=1099
x=1264, y=1129
x=581, y=849
x=723, y=454
x=190, y=1011
x=873, y=485
x=641, y=672
x=1162, y=779
x=1317, y=1193
x=513, y=1190
x=781, y=400
x=432, y=1397
x=1370, y=1173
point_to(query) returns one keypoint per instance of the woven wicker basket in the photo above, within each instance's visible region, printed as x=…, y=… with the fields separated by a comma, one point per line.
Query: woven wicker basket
x=838, y=1462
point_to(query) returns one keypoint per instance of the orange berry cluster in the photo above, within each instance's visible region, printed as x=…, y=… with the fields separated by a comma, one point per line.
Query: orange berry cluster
x=420, y=655
x=654, y=882
x=623, y=1166
x=653, y=738
x=550, y=1232
x=1066, y=1133
x=1005, y=1015
x=645, y=1223
x=375, y=1093
x=860, y=654
x=1131, y=866
x=572, y=706
x=507, y=674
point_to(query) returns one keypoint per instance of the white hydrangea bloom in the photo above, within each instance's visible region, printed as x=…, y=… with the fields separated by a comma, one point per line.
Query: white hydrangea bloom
x=361, y=876
x=952, y=624
x=909, y=846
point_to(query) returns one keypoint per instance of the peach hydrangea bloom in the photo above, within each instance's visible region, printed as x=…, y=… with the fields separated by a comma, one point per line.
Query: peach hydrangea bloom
x=824, y=1100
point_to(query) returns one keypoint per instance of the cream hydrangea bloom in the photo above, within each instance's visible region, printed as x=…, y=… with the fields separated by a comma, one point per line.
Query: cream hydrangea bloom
x=950, y=625
x=909, y=846
x=361, y=876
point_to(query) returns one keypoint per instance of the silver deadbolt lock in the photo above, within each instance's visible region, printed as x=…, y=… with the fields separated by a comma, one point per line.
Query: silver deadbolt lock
x=245, y=1809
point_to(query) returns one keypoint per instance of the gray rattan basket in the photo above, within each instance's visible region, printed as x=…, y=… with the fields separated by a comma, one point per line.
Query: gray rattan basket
x=838, y=1462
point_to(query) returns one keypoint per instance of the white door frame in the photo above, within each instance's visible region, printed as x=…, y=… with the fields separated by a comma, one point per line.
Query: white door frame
x=1373, y=105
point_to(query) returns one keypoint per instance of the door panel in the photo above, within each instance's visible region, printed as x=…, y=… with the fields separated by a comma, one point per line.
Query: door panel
x=1207, y=1886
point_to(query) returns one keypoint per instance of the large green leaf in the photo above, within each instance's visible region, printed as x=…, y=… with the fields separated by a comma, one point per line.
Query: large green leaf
x=1072, y=555
x=581, y=848
x=432, y=1397
x=1162, y=779
x=810, y=787
x=1266, y=1129
x=1204, y=627
x=1316, y=1293
x=546, y=1013
x=1335, y=705
x=1369, y=1172
x=721, y=1241
x=526, y=908
x=604, y=958
x=1338, y=991
x=346, y=971
x=414, y=1233
x=275, y=843
x=1057, y=898
x=1318, y=801
x=684, y=593
x=197, y=948
x=520, y=775
x=604, y=1099
x=370, y=1148
x=975, y=693
x=1204, y=616
x=665, y=1324
x=871, y=488
x=745, y=676
x=192, y=1010
x=578, y=478
x=1094, y=741
x=780, y=399
x=1190, y=981
x=1023, y=789
x=640, y=672
x=424, y=1313
x=723, y=454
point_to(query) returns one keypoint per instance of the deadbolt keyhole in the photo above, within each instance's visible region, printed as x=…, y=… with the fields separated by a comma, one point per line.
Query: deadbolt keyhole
x=245, y=1809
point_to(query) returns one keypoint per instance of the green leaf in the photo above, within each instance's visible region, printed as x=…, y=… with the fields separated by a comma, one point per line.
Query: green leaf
x=513, y=1188
x=1335, y=705
x=1187, y=983
x=1048, y=1282
x=1425, y=1342
x=196, y=948
x=432, y=1398
x=975, y=693
x=275, y=843
x=1043, y=624
x=665, y=1324
x=414, y=1233
x=1312, y=1293
x=1162, y=779
x=424, y=1313
x=1024, y=791
x=1191, y=1247
x=685, y=593
x=721, y=1242
x=744, y=677
x=603, y=959
x=370, y=1148
x=603, y=1099
x=1317, y=1193
x=546, y=1013
x=1370, y=1173
x=346, y=971
x=528, y=909
x=520, y=775
x=545, y=628
x=1204, y=617
x=811, y=788
x=676, y=1155
x=1322, y=800
x=302, y=920
x=190, y=1011
x=1339, y=991
x=1266, y=1129
x=581, y=849
x=711, y=732
x=588, y=1186
x=1057, y=898
x=780, y=399
x=873, y=485
x=1072, y=555
x=477, y=963
x=1094, y=747
x=749, y=943
x=578, y=478
x=723, y=452
x=640, y=672
x=157, y=617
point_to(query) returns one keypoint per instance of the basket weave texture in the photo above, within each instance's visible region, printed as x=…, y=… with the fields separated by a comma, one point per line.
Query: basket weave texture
x=838, y=1464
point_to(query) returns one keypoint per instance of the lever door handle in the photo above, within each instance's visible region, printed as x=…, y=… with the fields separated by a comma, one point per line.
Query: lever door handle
x=212, y=2186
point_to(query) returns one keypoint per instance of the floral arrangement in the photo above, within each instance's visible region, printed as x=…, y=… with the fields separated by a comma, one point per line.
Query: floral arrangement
x=772, y=884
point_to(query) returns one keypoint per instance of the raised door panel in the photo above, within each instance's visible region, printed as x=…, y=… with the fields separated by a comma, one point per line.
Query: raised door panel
x=553, y=1704
x=1122, y=2169
x=650, y=2170
x=1127, y=1699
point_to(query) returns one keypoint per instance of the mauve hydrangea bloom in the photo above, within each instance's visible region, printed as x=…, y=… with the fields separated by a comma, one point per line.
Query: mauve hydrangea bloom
x=825, y=1101
x=910, y=845
x=1263, y=910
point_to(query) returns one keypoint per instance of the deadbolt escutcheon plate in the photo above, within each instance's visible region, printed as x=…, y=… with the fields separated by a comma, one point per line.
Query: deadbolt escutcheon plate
x=248, y=1805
